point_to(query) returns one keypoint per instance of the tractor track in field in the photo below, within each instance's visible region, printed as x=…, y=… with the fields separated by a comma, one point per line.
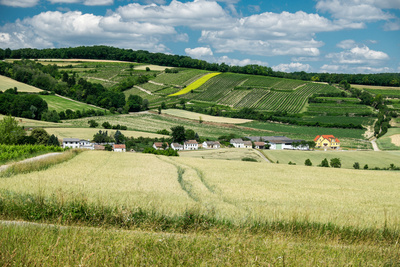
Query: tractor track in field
x=5, y=167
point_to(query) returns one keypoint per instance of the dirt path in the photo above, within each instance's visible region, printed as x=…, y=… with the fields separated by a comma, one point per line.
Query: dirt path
x=374, y=145
x=144, y=90
x=5, y=167
x=263, y=156
x=161, y=84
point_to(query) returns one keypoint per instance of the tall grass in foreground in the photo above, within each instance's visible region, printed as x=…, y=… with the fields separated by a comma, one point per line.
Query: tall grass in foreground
x=38, y=208
x=37, y=245
x=37, y=165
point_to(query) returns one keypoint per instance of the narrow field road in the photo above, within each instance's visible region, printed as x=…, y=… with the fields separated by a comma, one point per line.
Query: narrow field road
x=144, y=90
x=263, y=156
x=374, y=145
x=4, y=167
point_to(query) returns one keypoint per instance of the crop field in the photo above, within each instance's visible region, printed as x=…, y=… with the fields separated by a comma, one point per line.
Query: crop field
x=28, y=123
x=390, y=141
x=336, y=119
x=61, y=104
x=219, y=87
x=18, y=152
x=381, y=159
x=196, y=116
x=196, y=84
x=234, y=97
x=304, y=132
x=152, y=67
x=222, y=154
x=236, y=191
x=183, y=77
x=252, y=98
x=7, y=83
x=153, y=123
x=87, y=133
x=335, y=109
x=385, y=92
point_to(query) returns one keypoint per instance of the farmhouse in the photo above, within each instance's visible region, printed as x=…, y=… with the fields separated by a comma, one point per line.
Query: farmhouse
x=191, y=145
x=237, y=142
x=279, y=142
x=160, y=145
x=327, y=141
x=176, y=146
x=77, y=143
x=247, y=144
x=259, y=145
x=119, y=148
x=211, y=144
x=99, y=147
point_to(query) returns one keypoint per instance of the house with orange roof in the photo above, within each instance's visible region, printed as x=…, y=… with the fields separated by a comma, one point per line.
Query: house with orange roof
x=327, y=141
x=119, y=148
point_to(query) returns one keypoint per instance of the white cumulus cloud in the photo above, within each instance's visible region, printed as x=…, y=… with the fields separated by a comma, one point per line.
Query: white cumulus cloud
x=292, y=67
x=19, y=3
x=199, y=52
x=358, y=55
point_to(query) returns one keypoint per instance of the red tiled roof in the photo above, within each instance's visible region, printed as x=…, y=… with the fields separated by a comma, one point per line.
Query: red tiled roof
x=120, y=146
x=191, y=142
x=329, y=137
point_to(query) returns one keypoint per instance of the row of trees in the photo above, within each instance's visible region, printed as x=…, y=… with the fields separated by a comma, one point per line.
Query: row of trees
x=13, y=134
x=112, y=53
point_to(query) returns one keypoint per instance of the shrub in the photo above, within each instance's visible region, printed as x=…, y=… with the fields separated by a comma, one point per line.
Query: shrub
x=163, y=131
x=93, y=124
x=106, y=125
x=366, y=167
x=308, y=162
x=291, y=163
x=249, y=159
x=324, y=163
x=356, y=165
x=335, y=163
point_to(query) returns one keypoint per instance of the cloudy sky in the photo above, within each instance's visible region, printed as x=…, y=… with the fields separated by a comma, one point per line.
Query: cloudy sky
x=341, y=36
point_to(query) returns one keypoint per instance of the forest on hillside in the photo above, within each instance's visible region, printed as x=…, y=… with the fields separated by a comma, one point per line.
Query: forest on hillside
x=141, y=56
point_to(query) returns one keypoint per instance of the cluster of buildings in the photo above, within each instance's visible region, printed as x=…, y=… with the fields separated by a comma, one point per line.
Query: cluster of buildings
x=188, y=145
x=86, y=144
x=260, y=142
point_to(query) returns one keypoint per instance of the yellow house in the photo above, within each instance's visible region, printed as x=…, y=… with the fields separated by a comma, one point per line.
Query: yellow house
x=327, y=141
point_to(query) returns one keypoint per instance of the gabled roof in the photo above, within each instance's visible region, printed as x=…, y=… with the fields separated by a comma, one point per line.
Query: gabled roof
x=191, y=142
x=212, y=143
x=327, y=137
x=259, y=143
x=71, y=139
x=236, y=140
x=159, y=144
x=121, y=146
x=176, y=145
x=247, y=143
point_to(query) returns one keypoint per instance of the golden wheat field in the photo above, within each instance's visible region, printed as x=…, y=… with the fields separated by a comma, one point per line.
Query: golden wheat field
x=233, y=190
x=7, y=83
x=196, y=116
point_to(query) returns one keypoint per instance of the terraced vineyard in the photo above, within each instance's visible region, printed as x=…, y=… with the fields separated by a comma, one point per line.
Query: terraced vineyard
x=334, y=109
x=233, y=98
x=290, y=102
x=252, y=98
x=271, y=82
x=183, y=77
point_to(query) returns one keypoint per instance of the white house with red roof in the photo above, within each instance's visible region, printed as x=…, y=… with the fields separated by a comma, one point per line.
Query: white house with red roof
x=119, y=148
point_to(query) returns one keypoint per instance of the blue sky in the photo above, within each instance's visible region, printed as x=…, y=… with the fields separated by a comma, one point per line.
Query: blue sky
x=340, y=36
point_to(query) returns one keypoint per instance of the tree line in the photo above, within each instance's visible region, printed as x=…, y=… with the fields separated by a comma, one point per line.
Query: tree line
x=141, y=56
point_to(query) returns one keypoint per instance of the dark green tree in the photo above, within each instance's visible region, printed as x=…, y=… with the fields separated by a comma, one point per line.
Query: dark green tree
x=190, y=134
x=106, y=125
x=336, y=163
x=119, y=137
x=53, y=141
x=308, y=162
x=356, y=165
x=324, y=163
x=41, y=136
x=178, y=134
x=10, y=132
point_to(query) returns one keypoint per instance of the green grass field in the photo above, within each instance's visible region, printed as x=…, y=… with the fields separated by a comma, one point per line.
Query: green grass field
x=87, y=133
x=371, y=158
x=391, y=140
x=28, y=123
x=7, y=83
x=196, y=116
x=61, y=104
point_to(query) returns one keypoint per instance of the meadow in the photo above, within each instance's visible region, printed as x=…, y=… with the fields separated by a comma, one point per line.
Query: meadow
x=196, y=116
x=59, y=104
x=381, y=159
x=222, y=154
x=7, y=83
x=28, y=123
x=87, y=133
x=390, y=141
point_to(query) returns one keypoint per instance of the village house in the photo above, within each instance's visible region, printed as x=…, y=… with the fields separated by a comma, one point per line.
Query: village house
x=77, y=143
x=99, y=147
x=211, y=144
x=247, y=144
x=237, y=142
x=327, y=141
x=191, y=145
x=259, y=145
x=160, y=145
x=119, y=148
x=279, y=142
x=176, y=146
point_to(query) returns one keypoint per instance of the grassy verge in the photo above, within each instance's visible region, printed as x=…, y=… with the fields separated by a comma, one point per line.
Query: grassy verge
x=38, y=208
x=37, y=165
x=28, y=245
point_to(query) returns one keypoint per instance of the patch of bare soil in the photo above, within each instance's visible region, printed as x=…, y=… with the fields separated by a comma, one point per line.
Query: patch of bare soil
x=396, y=139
